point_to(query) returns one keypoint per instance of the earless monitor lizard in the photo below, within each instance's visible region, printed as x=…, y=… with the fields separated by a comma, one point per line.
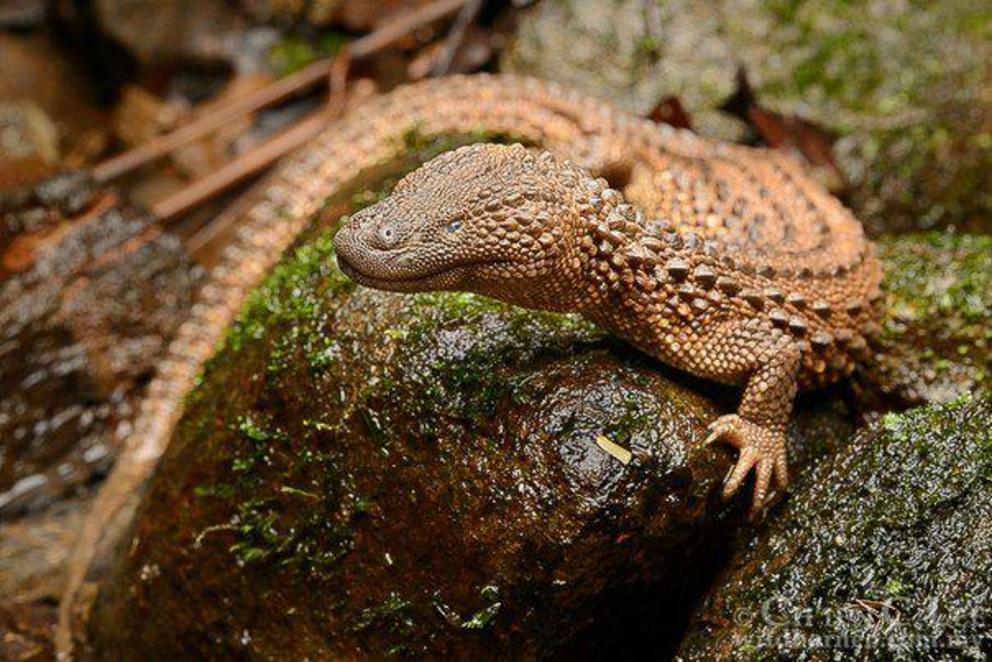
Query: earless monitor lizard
x=731, y=263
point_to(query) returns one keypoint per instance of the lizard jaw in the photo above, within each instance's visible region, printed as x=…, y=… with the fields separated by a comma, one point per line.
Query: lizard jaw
x=399, y=284
x=449, y=277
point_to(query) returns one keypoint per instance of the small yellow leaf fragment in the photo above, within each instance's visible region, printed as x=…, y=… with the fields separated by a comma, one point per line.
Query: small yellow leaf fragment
x=619, y=452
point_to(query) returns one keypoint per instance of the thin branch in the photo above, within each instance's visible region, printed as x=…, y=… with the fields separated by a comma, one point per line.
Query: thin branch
x=243, y=166
x=456, y=35
x=161, y=145
x=277, y=91
x=223, y=222
x=401, y=26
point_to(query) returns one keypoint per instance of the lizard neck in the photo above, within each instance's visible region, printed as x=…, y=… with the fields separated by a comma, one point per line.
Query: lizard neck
x=619, y=251
x=604, y=250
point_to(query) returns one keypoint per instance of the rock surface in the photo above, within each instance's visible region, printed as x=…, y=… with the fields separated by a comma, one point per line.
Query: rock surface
x=86, y=305
x=29, y=147
x=164, y=33
x=882, y=551
x=364, y=473
x=907, y=87
x=49, y=116
x=937, y=343
x=26, y=631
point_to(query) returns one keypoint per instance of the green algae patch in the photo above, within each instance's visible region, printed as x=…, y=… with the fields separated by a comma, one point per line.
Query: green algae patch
x=936, y=343
x=883, y=551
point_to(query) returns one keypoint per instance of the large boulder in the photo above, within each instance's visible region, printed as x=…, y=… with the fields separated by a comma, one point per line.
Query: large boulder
x=363, y=473
x=884, y=551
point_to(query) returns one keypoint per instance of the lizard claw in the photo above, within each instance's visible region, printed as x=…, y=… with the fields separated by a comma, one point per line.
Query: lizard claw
x=761, y=449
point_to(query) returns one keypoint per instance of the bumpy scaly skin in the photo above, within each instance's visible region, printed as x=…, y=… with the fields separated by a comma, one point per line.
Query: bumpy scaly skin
x=605, y=141
x=741, y=271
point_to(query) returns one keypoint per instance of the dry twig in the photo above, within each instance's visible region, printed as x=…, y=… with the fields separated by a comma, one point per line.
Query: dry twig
x=456, y=35
x=277, y=91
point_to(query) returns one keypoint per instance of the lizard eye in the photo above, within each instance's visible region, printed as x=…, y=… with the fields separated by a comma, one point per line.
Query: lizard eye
x=387, y=234
x=454, y=226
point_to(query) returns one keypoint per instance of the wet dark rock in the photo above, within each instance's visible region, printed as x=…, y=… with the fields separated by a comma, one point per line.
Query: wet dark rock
x=35, y=209
x=22, y=14
x=363, y=473
x=69, y=192
x=936, y=343
x=905, y=86
x=81, y=327
x=34, y=551
x=28, y=144
x=882, y=551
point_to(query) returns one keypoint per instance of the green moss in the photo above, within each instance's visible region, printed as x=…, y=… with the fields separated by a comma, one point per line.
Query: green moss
x=293, y=293
x=903, y=80
x=635, y=417
x=294, y=52
x=938, y=301
x=481, y=619
x=895, y=588
x=895, y=529
x=469, y=386
x=941, y=273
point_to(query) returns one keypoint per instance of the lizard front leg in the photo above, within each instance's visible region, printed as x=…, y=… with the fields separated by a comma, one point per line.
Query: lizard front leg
x=758, y=427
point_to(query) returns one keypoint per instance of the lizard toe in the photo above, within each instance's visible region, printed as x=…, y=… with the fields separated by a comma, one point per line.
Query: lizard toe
x=745, y=462
x=723, y=428
x=761, y=449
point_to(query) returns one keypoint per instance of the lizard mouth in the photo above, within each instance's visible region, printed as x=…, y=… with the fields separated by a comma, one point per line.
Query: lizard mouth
x=411, y=282
x=392, y=270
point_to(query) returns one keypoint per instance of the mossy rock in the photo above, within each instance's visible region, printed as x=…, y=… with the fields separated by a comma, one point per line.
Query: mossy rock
x=884, y=551
x=905, y=84
x=363, y=473
x=937, y=343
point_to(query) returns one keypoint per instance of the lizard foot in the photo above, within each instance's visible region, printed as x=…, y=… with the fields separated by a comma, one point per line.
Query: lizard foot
x=761, y=449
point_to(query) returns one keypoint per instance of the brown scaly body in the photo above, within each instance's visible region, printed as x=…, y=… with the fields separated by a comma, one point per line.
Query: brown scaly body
x=776, y=243
x=743, y=271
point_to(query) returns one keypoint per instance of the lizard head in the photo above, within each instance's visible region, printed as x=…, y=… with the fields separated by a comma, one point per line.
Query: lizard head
x=493, y=219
